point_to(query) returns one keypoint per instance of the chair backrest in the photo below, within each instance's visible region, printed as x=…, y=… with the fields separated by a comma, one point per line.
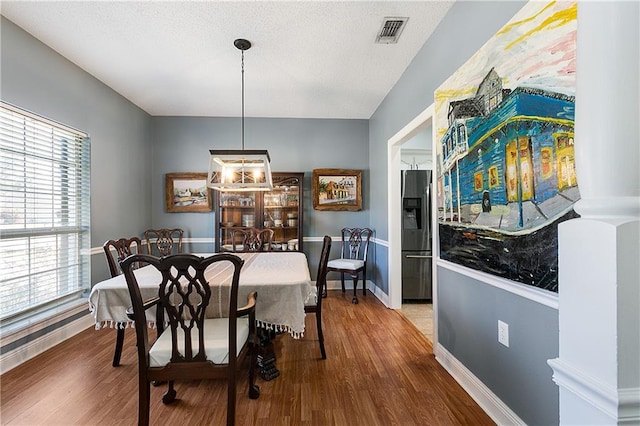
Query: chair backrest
x=118, y=250
x=184, y=293
x=355, y=243
x=321, y=278
x=163, y=241
x=251, y=239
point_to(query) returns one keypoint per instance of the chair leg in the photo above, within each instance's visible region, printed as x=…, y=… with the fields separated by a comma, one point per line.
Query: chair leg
x=342, y=280
x=355, y=289
x=144, y=394
x=231, y=400
x=324, y=291
x=364, y=282
x=170, y=395
x=119, y=343
x=320, y=334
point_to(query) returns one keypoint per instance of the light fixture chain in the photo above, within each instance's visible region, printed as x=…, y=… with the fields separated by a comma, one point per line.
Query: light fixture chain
x=242, y=72
x=240, y=170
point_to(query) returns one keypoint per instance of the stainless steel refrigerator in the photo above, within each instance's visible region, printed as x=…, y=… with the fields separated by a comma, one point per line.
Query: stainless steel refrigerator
x=416, y=235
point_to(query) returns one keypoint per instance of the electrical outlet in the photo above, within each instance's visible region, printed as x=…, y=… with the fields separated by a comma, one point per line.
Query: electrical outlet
x=503, y=333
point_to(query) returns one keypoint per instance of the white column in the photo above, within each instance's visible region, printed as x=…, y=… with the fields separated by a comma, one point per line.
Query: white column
x=598, y=369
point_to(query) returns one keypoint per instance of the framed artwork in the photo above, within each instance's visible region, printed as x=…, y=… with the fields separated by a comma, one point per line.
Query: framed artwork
x=187, y=192
x=504, y=125
x=337, y=189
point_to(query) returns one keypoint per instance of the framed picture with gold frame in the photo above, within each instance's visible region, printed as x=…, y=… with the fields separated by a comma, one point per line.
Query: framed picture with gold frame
x=187, y=192
x=337, y=189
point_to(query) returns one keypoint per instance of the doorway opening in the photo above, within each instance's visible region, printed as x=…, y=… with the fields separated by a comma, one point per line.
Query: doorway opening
x=422, y=314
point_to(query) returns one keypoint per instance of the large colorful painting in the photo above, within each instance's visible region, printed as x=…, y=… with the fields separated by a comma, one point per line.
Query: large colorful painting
x=505, y=131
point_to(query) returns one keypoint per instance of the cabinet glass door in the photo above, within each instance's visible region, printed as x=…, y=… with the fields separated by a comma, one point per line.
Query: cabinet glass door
x=237, y=209
x=281, y=212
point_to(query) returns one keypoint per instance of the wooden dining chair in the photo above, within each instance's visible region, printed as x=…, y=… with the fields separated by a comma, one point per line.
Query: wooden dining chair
x=160, y=242
x=192, y=347
x=315, y=306
x=251, y=239
x=117, y=250
x=353, y=258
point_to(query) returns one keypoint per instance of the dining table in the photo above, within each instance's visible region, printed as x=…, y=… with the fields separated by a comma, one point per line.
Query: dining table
x=281, y=279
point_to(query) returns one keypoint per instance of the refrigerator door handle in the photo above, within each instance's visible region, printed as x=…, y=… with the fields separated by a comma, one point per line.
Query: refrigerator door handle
x=413, y=256
x=428, y=196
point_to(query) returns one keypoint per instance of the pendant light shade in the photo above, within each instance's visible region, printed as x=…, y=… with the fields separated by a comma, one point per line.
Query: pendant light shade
x=235, y=170
x=240, y=170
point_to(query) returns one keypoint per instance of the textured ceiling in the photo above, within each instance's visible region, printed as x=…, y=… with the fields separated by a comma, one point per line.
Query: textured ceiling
x=312, y=59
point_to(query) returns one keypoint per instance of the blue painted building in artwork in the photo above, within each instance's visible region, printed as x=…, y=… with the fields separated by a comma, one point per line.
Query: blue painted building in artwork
x=504, y=150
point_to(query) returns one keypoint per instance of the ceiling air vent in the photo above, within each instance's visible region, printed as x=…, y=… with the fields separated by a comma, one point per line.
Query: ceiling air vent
x=390, y=30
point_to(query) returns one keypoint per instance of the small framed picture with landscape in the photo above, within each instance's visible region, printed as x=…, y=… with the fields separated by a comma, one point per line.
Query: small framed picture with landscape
x=337, y=189
x=187, y=192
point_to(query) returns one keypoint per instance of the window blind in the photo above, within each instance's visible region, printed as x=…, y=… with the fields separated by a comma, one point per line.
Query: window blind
x=44, y=212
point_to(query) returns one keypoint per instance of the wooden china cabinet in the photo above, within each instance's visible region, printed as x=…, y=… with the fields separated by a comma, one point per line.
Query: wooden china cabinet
x=279, y=209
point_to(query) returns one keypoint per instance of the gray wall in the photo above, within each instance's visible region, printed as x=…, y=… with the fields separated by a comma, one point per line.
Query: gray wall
x=468, y=314
x=468, y=309
x=38, y=79
x=181, y=144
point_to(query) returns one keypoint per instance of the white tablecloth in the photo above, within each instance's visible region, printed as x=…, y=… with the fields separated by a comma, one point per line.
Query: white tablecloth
x=282, y=281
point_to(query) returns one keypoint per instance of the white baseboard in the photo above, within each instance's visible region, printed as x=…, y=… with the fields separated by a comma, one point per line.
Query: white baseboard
x=37, y=346
x=381, y=295
x=487, y=400
x=348, y=285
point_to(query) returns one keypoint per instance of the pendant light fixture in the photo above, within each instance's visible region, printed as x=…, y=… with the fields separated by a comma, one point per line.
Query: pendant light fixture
x=240, y=170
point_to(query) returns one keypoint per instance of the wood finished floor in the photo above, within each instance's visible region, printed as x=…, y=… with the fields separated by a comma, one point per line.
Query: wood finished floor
x=380, y=370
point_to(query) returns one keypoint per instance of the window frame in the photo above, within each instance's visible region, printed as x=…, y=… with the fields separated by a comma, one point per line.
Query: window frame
x=66, y=239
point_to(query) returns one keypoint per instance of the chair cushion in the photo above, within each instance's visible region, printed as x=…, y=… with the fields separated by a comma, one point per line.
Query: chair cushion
x=216, y=341
x=350, y=264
